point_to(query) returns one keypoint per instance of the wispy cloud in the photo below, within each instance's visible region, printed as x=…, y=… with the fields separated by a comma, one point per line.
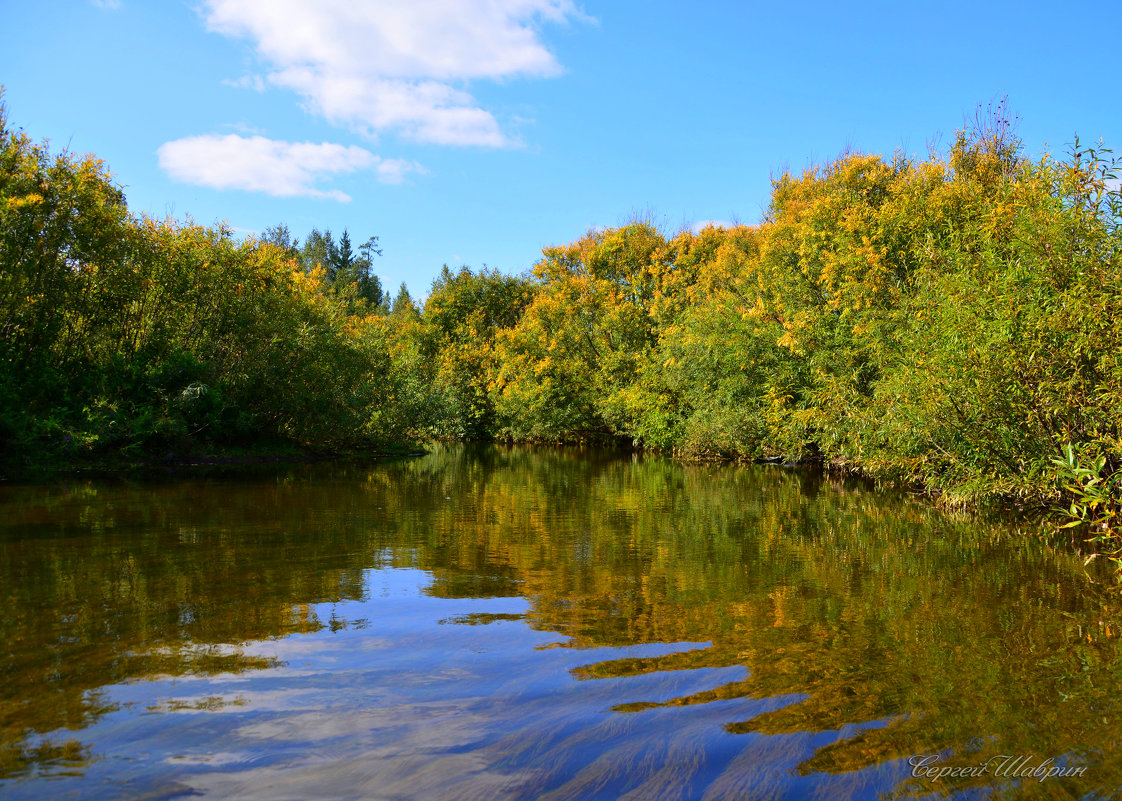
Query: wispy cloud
x=700, y=226
x=281, y=169
x=393, y=171
x=396, y=64
x=254, y=82
x=243, y=128
x=108, y=5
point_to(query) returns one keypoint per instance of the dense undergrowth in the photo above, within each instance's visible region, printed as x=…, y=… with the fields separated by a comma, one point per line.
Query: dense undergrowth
x=949, y=323
x=125, y=336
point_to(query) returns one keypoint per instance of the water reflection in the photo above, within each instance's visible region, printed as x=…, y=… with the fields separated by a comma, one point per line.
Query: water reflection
x=513, y=623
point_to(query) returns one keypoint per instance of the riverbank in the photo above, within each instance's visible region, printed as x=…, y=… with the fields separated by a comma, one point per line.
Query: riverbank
x=947, y=323
x=43, y=468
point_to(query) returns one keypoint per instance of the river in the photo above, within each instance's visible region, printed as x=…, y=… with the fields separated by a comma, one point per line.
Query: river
x=516, y=623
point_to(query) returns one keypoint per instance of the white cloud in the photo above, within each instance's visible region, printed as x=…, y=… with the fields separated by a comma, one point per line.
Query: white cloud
x=395, y=64
x=1114, y=185
x=393, y=171
x=244, y=128
x=426, y=111
x=254, y=82
x=281, y=169
x=108, y=5
x=698, y=227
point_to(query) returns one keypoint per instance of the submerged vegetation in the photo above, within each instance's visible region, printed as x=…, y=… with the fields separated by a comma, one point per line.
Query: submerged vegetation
x=949, y=323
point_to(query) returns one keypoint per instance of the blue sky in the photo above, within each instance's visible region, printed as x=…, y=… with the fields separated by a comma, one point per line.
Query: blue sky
x=478, y=131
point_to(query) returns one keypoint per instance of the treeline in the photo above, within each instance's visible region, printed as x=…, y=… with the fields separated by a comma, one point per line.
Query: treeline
x=948, y=322
x=344, y=268
x=128, y=336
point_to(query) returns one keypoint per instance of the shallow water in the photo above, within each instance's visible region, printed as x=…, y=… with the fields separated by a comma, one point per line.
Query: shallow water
x=500, y=623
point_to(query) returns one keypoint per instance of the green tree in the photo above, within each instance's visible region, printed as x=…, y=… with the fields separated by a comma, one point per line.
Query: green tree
x=344, y=258
x=403, y=305
x=369, y=285
x=568, y=370
x=356, y=273
x=279, y=236
x=132, y=336
x=463, y=313
x=319, y=251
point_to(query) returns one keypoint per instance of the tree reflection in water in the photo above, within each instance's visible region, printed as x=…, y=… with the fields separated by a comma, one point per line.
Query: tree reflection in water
x=866, y=626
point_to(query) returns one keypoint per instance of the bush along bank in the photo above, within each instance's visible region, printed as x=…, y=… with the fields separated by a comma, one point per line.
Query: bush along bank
x=948, y=322
x=125, y=338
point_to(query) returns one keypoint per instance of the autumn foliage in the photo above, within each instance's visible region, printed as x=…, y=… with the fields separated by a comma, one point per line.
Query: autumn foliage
x=948, y=322
x=131, y=336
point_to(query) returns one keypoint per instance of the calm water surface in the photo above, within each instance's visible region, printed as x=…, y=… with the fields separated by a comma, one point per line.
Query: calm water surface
x=540, y=624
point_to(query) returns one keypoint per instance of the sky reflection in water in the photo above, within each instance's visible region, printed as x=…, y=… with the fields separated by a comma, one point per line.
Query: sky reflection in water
x=509, y=624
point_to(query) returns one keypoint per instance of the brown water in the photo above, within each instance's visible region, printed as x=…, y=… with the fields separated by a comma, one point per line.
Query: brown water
x=540, y=624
